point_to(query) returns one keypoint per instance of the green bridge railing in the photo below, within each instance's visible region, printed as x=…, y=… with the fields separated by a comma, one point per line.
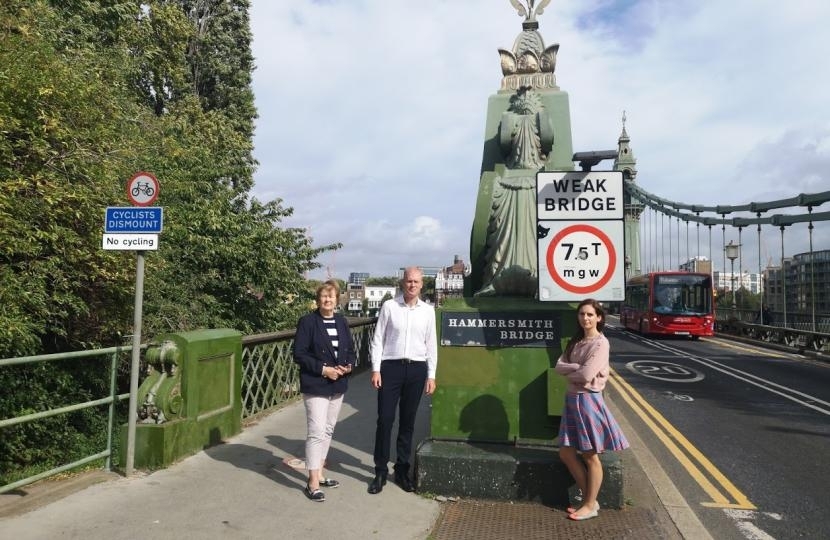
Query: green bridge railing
x=270, y=380
x=114, y=355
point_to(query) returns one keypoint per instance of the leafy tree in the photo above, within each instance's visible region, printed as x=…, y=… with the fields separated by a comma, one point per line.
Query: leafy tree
x=220, y=60
x=239, y=268
x=428, y=290
x=90, y=92
x=386, y=281
x=68, y=130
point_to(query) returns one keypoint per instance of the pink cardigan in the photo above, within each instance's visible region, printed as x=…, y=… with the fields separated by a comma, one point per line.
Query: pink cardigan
x=587, y=368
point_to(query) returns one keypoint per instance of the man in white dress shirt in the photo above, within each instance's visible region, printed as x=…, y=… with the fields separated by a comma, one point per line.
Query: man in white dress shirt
x=404, y=352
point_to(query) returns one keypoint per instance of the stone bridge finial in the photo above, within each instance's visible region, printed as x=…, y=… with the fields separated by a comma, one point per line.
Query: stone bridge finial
x=529, y=12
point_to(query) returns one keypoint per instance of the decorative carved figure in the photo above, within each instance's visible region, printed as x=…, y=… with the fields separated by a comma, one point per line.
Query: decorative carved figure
x=510, y=262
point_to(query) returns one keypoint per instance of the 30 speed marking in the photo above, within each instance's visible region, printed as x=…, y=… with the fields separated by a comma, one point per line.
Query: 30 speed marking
x=581, y=259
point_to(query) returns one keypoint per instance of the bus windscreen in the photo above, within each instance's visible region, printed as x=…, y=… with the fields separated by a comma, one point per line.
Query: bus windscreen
x=682, y=295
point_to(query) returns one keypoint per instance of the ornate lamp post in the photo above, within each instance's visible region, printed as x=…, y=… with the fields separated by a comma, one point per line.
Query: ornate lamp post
x=732, y=253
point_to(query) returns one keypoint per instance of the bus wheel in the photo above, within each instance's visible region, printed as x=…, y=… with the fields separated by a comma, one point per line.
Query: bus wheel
x=695, y=338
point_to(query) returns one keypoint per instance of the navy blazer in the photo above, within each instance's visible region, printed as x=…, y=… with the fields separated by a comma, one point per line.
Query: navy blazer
x=313, y=350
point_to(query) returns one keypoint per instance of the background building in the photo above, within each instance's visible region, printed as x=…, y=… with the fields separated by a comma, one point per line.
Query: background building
x=805, y=284
x=699, y=264
x=374, y=295
x=449, y=281
x=358, y=278
x=429, y=271
x=751, y=282
x=351, y=300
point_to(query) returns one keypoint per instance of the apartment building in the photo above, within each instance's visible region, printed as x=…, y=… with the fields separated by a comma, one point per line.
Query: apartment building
x=805, y=284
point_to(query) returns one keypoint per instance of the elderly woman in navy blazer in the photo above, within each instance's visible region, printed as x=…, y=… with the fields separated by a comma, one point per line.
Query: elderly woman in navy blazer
x=324, y=349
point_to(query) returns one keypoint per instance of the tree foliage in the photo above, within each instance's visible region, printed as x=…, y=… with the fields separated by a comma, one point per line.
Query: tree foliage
x=383, y=281
x=64, y=132
x=92, y=91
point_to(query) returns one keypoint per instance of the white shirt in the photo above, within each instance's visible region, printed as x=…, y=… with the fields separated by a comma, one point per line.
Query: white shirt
x=405, y=332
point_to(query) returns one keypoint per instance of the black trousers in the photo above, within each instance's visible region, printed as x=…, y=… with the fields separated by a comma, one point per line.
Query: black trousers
x=402, y=385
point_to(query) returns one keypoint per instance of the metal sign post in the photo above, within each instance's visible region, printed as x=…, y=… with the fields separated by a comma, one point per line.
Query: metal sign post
x=136, y=229
x=136, y=357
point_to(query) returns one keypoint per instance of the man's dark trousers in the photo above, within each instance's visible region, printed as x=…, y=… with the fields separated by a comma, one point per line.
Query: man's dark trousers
x=402, y=381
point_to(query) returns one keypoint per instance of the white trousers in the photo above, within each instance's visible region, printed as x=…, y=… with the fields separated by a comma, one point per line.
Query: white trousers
x=321, y=415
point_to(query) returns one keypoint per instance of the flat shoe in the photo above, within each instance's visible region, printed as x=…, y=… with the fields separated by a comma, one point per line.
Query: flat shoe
x=572, y=509
x=314, y=494
x=329, y=483
x=590, y=515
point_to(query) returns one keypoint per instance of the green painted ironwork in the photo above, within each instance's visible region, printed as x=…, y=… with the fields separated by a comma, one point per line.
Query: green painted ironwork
x=270, y=377
x=270, y=380
x=112, y=353
x=673, y=208
x=190, y=398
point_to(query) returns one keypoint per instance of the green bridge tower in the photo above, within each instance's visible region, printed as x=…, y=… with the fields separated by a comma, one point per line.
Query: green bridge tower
x=496, y=410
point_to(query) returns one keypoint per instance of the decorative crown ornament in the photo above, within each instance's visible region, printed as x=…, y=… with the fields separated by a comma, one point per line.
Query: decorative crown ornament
x=529, y=63
x=530, y=13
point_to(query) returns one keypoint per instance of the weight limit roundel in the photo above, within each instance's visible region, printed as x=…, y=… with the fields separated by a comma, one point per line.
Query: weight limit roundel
x=581, y=259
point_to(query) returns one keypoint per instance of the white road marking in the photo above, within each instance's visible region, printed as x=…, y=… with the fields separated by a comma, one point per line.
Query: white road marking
x=812, y=401
x=748, y=529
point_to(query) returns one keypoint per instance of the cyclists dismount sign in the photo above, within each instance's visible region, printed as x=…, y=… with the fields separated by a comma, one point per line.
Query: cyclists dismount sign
x=143, y=189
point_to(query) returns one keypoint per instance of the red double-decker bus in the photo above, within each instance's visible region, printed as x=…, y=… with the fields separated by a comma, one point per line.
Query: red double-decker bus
x=669, y=304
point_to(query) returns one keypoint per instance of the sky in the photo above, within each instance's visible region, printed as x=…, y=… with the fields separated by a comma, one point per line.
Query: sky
x=372, y=113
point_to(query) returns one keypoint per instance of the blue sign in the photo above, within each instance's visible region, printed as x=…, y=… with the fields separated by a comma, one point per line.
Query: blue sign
x=133, y=219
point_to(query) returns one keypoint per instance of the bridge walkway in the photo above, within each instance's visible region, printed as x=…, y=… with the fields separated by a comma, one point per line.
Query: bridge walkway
x=250, y=487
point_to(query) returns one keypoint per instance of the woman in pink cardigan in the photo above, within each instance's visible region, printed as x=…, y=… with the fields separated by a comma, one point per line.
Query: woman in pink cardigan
x=587, y=425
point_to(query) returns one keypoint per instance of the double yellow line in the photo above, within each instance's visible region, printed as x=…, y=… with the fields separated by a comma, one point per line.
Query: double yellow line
x=724, y=494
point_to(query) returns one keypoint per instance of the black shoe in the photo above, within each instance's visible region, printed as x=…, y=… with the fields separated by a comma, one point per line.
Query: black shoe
x=329, y=483
x=377, y=484
x=314, y=494
x=404, y=482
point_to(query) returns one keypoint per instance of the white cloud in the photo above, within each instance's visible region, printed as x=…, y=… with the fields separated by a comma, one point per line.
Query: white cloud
x=372, y=112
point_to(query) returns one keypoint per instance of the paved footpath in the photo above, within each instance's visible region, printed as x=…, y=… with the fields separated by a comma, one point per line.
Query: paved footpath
x=250, y=488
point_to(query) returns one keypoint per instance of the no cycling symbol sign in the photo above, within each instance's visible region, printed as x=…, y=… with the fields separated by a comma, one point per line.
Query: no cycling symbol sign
x=578, y=260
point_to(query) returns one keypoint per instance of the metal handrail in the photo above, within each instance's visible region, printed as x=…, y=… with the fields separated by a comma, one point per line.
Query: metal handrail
x=271, y=378
x=110, y=400
x=795, y=340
